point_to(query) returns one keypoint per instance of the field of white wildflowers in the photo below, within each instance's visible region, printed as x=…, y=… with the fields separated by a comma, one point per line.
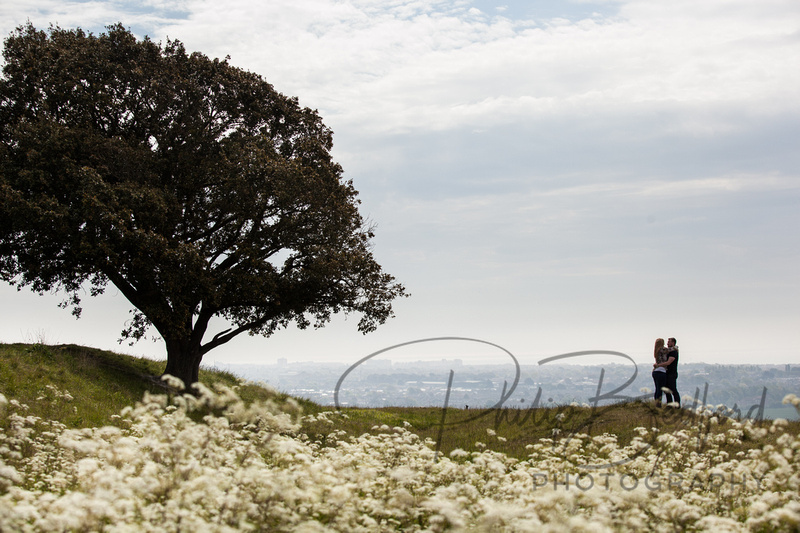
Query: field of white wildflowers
x=166, y=466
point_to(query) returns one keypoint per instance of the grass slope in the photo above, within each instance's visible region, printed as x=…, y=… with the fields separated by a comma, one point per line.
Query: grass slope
x=101, y=383
x=510, y=431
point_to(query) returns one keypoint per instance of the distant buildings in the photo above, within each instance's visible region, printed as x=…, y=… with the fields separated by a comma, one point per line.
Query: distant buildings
x=381, y=383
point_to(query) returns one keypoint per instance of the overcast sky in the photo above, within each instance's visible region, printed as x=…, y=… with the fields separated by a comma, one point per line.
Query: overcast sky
x=548, y=176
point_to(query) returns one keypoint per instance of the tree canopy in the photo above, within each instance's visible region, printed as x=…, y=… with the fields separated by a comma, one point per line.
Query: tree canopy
x=192, y=186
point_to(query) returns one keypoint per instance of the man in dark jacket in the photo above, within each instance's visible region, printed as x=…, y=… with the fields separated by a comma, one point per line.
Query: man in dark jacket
x=672, y=370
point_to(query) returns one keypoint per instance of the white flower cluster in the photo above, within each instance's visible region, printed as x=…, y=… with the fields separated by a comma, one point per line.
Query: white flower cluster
x=212, y=463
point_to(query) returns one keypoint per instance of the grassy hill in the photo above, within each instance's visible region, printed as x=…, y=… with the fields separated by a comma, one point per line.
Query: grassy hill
x=84, y=387
x=99, y=383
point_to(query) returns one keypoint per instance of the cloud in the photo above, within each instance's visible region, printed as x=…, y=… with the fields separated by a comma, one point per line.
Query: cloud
x=402, y=66
x=442, y=62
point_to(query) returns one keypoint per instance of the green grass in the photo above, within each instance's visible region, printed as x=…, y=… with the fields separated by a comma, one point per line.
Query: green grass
x=102, y=383
x=520, y=427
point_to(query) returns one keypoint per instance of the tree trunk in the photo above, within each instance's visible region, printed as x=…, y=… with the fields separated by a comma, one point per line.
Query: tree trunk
x=183, y=361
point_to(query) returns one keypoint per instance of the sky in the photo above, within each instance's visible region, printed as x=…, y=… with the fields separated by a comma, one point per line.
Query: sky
x=545, y=176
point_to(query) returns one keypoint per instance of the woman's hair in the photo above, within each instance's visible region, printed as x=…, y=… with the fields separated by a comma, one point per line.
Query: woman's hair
x=659, y=345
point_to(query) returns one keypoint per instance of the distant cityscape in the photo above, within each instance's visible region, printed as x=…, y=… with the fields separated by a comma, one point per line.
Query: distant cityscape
x=750, y=389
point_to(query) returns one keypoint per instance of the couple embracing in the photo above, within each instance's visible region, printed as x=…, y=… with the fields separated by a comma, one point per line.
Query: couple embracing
x=665, y=371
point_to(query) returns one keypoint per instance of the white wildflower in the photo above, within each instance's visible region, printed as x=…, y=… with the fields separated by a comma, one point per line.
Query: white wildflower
x=174, y=382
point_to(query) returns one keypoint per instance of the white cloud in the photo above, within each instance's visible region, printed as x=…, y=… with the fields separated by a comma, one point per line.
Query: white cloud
x=407, y=66
x=383, y=68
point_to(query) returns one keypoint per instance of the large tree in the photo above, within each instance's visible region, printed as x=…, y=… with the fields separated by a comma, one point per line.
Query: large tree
x=191, y=185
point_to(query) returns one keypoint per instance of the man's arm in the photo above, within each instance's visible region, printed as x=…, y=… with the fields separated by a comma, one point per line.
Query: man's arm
x=668, y=362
